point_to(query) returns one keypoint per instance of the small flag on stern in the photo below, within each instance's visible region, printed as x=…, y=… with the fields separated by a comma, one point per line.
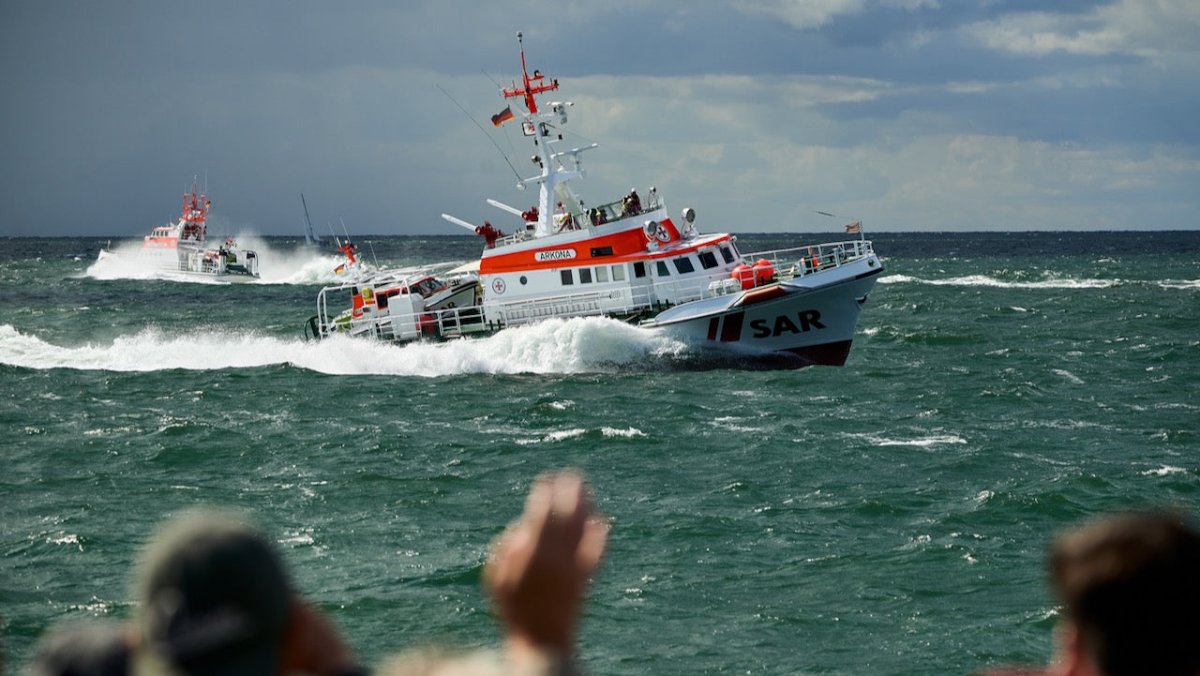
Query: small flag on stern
x=502, y=116
x=856, y=226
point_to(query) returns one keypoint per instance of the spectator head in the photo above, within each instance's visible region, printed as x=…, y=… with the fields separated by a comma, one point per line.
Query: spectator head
x=1130, y=585
x=214, y=597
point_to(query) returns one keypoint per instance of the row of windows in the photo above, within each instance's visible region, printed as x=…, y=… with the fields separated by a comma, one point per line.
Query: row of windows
x=683, y=265
x=599, y=273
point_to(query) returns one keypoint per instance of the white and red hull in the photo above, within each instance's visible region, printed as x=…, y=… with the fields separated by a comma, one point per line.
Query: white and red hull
x=816, y=325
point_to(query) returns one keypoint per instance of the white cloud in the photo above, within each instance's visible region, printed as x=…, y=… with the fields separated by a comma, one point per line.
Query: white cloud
x=804, y=14
x=755, y=155
x=801, y=13
x=925, y=135
x=1040, y=33
x=1149, y=28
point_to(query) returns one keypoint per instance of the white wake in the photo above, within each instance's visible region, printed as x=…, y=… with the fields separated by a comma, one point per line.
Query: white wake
x=987, y=281
x=275, y=266
x=554, y=346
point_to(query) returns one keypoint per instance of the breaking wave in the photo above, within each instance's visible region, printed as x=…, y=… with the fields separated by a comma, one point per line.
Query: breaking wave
x=1180, y=284
x=124, y=262
x=1047, y=283
x=554, y=346
x=276, y=266
x=985, y=280
x=921, y=442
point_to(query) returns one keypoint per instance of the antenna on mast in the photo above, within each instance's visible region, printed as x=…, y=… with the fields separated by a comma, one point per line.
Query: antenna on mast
x=521, y=46
x=530, y=102
x=528, y=87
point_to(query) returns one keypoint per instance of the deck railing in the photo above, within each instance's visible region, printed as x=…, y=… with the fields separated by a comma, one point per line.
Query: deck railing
x=612, y=212
x=805, y=260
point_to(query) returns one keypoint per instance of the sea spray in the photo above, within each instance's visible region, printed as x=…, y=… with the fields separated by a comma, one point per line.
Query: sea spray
x=277, y=265
x=557, y=346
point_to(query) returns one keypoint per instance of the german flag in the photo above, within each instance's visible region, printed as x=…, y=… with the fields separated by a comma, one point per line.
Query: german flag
x=502, y=116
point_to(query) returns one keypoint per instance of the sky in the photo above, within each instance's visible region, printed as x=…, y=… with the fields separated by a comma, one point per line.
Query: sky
x=911, y=115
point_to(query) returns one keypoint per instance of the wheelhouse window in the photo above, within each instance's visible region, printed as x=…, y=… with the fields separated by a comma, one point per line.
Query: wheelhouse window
x=662, y=269
x=601, y=274
x=639, y=269
x=684, y=265
x=708, y=260
x=585, y=275
x=619, y=272
x=568, y=277
x=726, y=254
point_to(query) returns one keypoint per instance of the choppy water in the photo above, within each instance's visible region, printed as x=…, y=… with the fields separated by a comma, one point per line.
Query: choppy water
x=886, y=517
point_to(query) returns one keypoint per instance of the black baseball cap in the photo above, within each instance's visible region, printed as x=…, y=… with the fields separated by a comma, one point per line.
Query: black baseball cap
x=214, y=596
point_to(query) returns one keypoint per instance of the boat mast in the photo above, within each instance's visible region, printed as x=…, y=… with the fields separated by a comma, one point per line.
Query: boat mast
x=310, y=235
x=538, y=124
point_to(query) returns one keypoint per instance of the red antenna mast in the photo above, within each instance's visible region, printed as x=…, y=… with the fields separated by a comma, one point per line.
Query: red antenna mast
x=530, y=85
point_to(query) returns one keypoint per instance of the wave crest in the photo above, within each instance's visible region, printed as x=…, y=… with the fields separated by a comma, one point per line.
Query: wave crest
x=276, y=266
x=988, y=281
x=556, y=346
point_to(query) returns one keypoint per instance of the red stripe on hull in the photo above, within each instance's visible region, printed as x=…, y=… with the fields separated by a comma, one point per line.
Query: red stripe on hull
x=731, y=331
x=627, y=245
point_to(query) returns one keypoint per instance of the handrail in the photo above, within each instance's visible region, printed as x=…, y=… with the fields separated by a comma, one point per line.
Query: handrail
x=613, y=212
x=803, y=260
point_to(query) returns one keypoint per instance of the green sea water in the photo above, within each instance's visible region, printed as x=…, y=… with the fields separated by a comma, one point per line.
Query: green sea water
x=888, y=517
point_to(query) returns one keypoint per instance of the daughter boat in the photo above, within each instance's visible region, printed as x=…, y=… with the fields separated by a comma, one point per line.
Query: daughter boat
x=626, y=259
x=182, y=246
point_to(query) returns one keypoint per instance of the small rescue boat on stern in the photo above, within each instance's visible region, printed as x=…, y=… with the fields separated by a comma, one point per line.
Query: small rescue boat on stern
x=626, y=259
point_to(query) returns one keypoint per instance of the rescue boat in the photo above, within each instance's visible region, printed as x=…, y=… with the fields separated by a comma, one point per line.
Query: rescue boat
x=183, y=246
x=624, y=258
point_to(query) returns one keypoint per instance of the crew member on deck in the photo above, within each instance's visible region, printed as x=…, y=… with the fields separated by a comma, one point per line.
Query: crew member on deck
x=489, y=234
x=530, y=217
x=633, y=203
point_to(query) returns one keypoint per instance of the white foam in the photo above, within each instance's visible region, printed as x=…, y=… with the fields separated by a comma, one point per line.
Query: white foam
x=992, y=282
x=1071, y=377
x=65, y=539
x=922, y=442
x=627, y=433
x=1165, y=470
x=125, y=262
x=275, y=266
x=554, y=346
x=1180, y=284
x=732, y=423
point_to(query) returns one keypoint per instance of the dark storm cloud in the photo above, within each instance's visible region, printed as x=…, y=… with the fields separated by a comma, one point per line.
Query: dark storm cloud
x=112, y=107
